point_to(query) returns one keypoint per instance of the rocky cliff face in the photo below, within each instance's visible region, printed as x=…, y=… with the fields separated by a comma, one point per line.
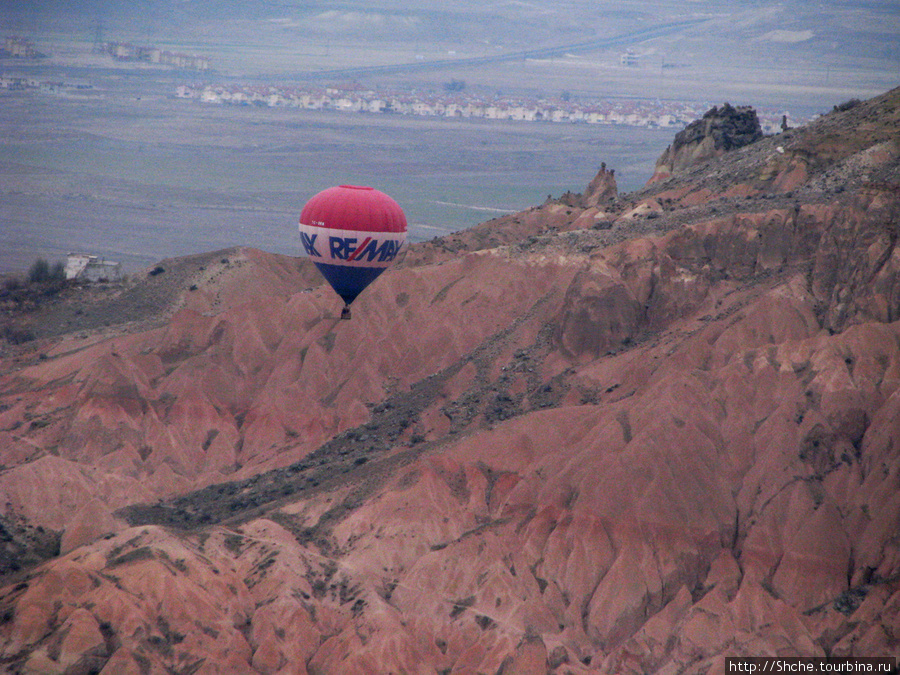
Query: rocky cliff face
x=717, y=132
x=628, y=436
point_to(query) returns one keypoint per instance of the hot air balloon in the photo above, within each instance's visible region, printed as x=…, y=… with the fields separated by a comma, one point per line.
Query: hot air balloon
x=352, y=234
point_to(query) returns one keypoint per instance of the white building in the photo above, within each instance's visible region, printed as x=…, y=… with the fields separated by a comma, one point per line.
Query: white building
x=85, y=267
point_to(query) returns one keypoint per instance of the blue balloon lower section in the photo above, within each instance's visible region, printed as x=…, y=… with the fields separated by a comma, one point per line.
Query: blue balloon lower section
x=347, y=281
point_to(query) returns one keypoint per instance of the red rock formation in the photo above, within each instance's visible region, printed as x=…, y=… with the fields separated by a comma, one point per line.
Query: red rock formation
x=539, y=446
x=717, y=132
x=602, y=189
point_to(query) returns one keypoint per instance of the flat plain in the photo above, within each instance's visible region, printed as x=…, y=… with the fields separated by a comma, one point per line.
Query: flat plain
x=136, y=178
x=127, y=171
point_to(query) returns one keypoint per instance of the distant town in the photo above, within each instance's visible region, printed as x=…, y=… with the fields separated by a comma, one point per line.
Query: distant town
x=12, y=82
x=125, y=51
x=17, y=47
x=457, y=103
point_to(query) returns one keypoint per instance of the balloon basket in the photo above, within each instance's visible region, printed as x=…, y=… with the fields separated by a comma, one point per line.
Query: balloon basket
x=345, y=313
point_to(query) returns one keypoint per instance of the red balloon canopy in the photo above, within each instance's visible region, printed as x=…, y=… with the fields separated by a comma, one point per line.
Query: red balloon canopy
x=352, y=234
x=354, y=207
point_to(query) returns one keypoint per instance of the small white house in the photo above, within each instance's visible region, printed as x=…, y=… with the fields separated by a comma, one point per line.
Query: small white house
x=85, y=267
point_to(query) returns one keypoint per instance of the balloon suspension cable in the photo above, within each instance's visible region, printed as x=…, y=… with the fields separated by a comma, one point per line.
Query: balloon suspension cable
x=345, y=313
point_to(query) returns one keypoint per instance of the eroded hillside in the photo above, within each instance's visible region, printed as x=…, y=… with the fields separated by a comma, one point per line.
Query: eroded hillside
x=610, y=434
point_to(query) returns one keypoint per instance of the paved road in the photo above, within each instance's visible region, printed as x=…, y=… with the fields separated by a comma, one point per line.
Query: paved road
x=548, y=52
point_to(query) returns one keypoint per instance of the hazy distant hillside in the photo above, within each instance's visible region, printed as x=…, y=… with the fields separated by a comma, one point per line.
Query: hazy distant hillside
x=787, y=50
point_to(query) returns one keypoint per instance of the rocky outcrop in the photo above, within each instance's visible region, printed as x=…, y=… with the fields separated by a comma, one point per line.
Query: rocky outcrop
x=639, y=447
x=717, y=132
x=602, y=189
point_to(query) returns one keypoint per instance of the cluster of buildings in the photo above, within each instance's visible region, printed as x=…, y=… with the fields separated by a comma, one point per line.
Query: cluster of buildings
x=10, y=82
x=124, y=51
x=20, y=48
x=18, y=82
x=452, y=104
